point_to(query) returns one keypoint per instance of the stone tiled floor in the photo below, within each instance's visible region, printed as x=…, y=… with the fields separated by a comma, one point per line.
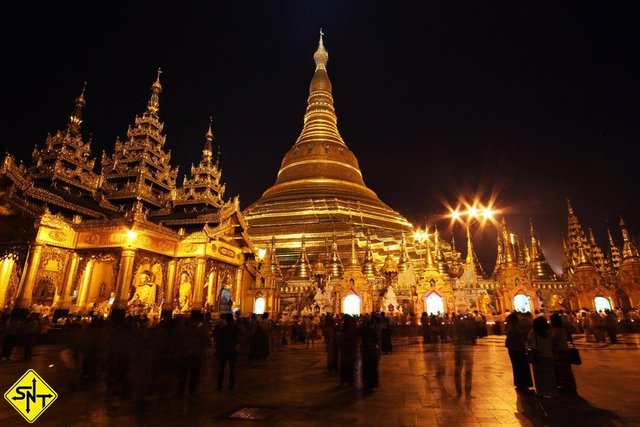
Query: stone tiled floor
x=295, y=390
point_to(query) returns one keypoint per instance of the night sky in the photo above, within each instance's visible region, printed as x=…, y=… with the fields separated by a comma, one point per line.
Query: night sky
x=438, y=101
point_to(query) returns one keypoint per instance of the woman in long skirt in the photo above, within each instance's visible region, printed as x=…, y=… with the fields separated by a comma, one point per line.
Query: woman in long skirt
x=544, y=376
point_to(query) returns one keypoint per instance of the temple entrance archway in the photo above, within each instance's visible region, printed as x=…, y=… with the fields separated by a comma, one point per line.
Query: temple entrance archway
x=522, y=303
x=434, y=304
x=351, y=305
x=601, y=303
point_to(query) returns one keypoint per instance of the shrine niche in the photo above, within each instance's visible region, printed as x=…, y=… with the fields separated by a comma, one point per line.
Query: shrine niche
x=185, y=292
x=148, y=279
x=44, y=292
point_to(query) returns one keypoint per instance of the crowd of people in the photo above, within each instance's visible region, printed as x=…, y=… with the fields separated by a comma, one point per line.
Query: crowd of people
x=137, y=355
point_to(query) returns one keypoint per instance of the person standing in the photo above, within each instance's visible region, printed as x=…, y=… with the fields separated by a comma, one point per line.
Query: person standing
x=370, y=353
x=385, y=334
x=330, y=334
x=227, y=341
x=464, y=332
x=515, y=343
x=561, y=357
x=611, y=323
x=347, y=345
x=544, y=377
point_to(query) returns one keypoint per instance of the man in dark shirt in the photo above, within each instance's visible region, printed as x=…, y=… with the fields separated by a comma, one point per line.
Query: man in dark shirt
x=464, y=331
x=227, y=341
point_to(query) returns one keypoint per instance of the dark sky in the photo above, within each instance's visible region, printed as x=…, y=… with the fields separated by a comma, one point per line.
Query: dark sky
x=437, y=101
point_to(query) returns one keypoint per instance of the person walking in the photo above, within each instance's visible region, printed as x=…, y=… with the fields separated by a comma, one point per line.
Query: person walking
x=330, y=334
x=227, y=340
x=464, y=332
x=539, y=341
x=385, y=334
x=561, y=357
x=515, y=343
x=611, y=323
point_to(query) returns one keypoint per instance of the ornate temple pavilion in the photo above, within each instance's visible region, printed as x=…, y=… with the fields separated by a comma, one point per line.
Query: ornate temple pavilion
x=128, y=236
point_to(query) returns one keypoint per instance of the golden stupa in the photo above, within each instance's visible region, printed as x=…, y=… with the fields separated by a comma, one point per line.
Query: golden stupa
x=320, y=190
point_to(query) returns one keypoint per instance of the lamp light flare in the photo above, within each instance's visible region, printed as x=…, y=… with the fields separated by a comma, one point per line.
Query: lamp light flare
x=473, y=212
x=487, y=213
x=261, y=253
x=131, y=235
x=455, y=215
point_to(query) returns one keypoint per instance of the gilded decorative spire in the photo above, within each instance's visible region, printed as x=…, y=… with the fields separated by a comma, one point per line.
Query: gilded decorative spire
x=369, y=265
x=441, y=263
x=405, y=262
x=207, y=152
x=499, y=256
x=569, y=207
x=430, y=265
x=507, y=239
x=629, y=249
x=302, y=267
x=203, y=188
x=154, y=102
x=321, y=57
x=597, y=256
x=354, y=264
x=335, y=264
x=614, y=252
x=582, y=257
x=274, y=264
x=534, y=242
x=538, y=266
x=75, y=119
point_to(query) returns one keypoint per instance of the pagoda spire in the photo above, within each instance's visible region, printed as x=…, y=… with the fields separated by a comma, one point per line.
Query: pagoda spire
x=335, y=264
x=354, y=264
x=302, y=269
x=405, y=262
x=441, y=263
x=538, y=266
x=629, y=249
x=153, y=106
x=203, y=188
x=75, y=119
x=430, y=265
x=507, y=240
x=534, y=242
x=207, y=152
x=597, y=256
x=369, y=265
x=65, y=160
x=274, y=264
x=614, y=252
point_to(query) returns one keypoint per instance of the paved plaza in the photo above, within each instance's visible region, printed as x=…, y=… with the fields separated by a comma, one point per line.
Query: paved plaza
x=293, y=388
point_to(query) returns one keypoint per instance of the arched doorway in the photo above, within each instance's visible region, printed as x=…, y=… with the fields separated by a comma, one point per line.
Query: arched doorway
x=602, y=303
x=259, y=305
x=351, y=305
x=434, y=304
x=522, y=303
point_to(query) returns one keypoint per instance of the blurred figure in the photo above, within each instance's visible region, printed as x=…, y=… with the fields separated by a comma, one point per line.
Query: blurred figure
x=385, y=334
x=561, y=357
x=330, y=333
x=544, y=376
x=515, y=343
x=464, y=332
x=611, y=323
x=370, y=353
x=227, y=340
x=347, y=347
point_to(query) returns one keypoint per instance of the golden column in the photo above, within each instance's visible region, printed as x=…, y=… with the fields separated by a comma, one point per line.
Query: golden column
x=24, y=296
x=239, y=291
x=86, y=282
x=201, y=264
x=123, y=284
x=67, y=284
x=213, y=282
x=169, y=294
